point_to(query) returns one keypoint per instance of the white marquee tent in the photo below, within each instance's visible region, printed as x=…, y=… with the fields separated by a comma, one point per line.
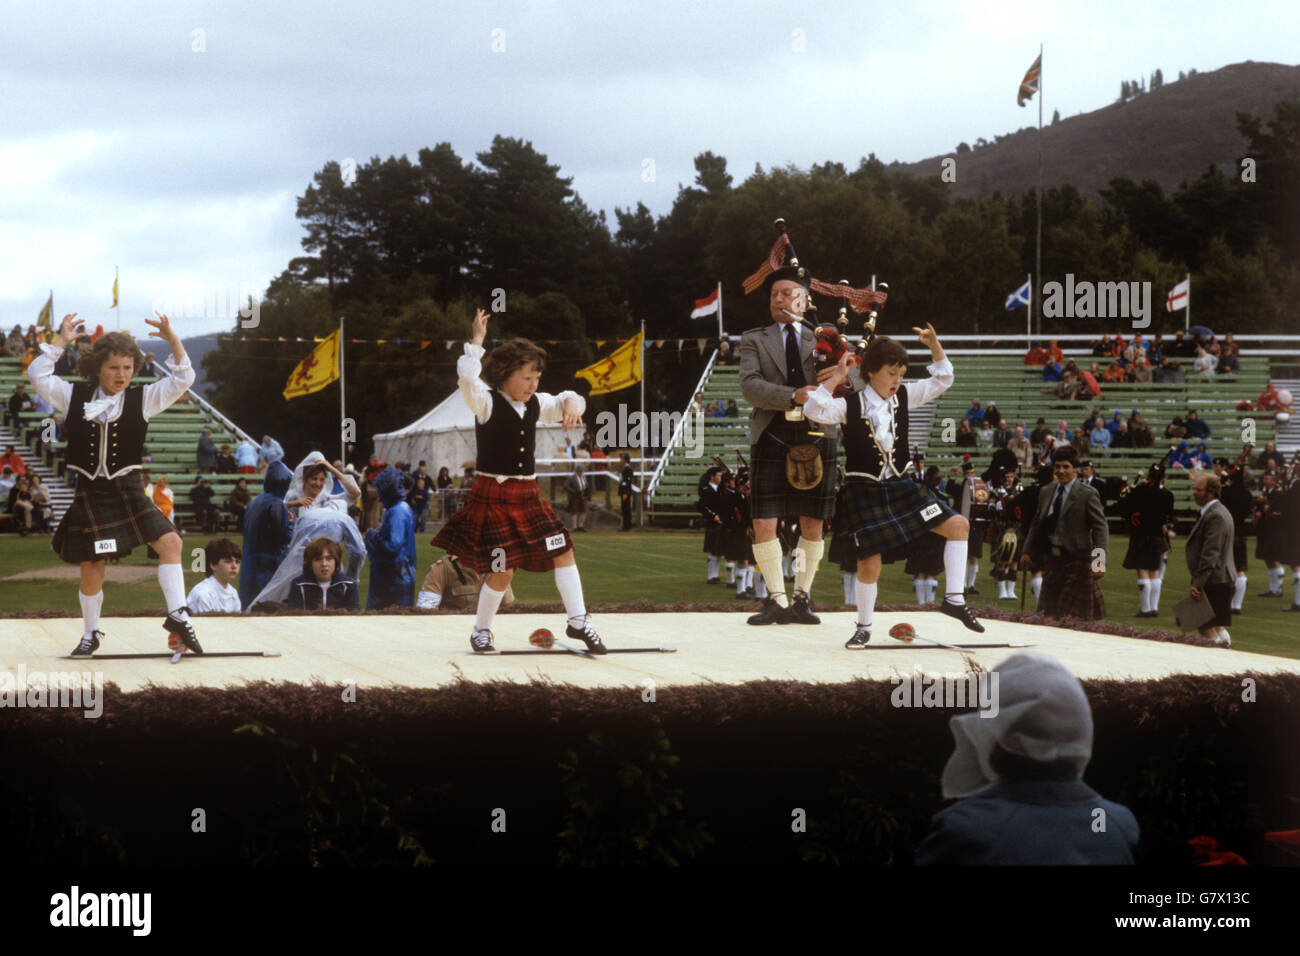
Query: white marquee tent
x=444, y=436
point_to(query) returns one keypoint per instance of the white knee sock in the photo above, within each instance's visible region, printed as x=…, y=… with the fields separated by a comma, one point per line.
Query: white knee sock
x=1295, y=577
x=1155, y=584
x=812, y=557
x=713, y=567
x=954, y=567
x=866, y=594
x=1275, y=579
x=1238, y=593
x=1036, y=585
x=569, y=585
x=932, y=590
x=919, y=585
x=731, y=572
x=1144, y=594
x=90, y=608
x=488, y=602
x=740, y=581
x=971, y=571
x=172, y=579
x=767, y=555
x=760, y=586
x=850, y=593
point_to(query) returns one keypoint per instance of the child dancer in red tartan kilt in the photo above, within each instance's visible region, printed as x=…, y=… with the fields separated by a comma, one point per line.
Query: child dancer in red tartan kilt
x=107, y=419
x=505, y=524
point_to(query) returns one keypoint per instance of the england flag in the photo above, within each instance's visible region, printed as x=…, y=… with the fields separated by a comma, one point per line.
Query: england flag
x=1179, y=296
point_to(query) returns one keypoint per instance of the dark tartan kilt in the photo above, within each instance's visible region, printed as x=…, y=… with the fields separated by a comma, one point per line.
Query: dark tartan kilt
x=771, y=496
x=926, y=556
x=1239, y=553
x=106, y=508
x=1144, y=552
x=714, y=538
x=884, y=516
x=1070, y=591
x=736, y=545
x=509, y=515
x=1265, y=547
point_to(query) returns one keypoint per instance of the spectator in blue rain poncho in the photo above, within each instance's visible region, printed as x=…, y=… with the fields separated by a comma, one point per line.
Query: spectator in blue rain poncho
x=391, y=547
x=266, y=533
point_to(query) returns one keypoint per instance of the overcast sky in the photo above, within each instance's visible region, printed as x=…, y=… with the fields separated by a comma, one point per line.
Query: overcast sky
x=171, y=139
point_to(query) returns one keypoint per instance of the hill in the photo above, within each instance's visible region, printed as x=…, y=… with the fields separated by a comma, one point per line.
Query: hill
x=1169, y=135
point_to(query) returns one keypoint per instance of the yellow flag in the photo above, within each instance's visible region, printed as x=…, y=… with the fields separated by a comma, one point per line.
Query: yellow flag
x=47, y=313
x=620, y=369
x=114, y=305
x=316, y=370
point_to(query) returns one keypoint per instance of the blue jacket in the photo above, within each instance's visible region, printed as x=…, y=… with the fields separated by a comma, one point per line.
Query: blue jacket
x=1031, y=823
x=391, y=547
x=266, y=533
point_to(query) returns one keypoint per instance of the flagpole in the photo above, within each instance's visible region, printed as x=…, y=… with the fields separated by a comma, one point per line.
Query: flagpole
x=1187, y=315
x=343, y=412
x=1029, y=313
x=721, y=334
x=117, y=297
x=1038, y=242
x=640, y=495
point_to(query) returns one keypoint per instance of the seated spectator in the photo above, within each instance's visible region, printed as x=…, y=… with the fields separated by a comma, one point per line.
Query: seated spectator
x=1051, y=371
x=1036, y=355
x=975, y=414
x=1143, y=437
x=1116, y=420
x=1100, y=437
x=454, y=587
x=1196, y=427
x=1121, y=438
x=1183, y=346
x=20, y=504
x=1102, y=349
x=725, y=354
x=14, y=346
x=984, y=437
x=1020, y=776
x=1114, y=373
x=1141, y=370
x=322, y=583
x=1040, y=433
x=965, y=434
x=216, y=593
x=1022, y=448
x=163, y=498
x=205, y=512
x=733, y=411
x=1054, y=352
x=1090, y=379
x=237, y=503
x=1229, y=356
x=1157, y=351
x=1131, y=353
x=19, y=401
x=246, y=457
x=43, y=514
x=1201, y=458
x=1181, y=456
x=697, y=403
x=1002, y=435
x=13, y=460
x=7, y=481
x=225, y=461
x=149, y=369
x=1176, y=429
x=1205, y=363
x=1117, y=347
x=992, y=415
x=1062, y=435
x=719, y=409
x=1213, y=347
x=1270, y=459
x=1068, y=388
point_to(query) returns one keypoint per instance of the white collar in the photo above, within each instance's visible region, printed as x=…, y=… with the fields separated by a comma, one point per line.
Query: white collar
x=874, y=399
x=1205, y=507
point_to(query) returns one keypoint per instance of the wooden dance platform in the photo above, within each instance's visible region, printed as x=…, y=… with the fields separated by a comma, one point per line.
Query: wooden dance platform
x=415, y=651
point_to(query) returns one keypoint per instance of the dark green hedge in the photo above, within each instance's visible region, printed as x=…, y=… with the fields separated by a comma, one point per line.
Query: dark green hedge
x=707, y=774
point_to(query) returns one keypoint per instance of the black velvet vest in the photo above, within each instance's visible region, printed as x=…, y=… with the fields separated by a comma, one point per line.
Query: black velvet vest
x=119, y=445
x=860, y=451
x=506, y=442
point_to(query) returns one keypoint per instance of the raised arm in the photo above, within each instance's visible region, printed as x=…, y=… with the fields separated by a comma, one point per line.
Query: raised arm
x=165, y=392
x=41, y=370
x=469, y=366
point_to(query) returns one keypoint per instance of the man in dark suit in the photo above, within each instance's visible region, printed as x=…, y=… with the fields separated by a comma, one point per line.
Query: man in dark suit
x=626, y=482
x=1069, y=540
x=578, y=489
x=1209, y=556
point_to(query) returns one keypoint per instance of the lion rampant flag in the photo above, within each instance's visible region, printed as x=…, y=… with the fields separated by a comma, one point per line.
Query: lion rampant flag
x=620, y=369
x=316, y=370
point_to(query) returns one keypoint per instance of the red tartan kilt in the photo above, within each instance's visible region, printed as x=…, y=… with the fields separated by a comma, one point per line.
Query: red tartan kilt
x=506, y=515
x=1069, y=590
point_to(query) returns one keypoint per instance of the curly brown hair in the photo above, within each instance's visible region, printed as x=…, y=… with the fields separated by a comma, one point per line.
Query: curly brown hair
x=90, y=358
x=318, y=548
x=510, y=356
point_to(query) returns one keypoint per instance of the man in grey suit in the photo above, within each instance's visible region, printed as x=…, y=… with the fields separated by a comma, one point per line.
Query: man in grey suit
x=1209, y=556
x=777, y=375
x=578, y=490
x=1069, y=540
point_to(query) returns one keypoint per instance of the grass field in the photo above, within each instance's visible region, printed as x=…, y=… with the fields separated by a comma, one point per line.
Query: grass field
x=664, y=567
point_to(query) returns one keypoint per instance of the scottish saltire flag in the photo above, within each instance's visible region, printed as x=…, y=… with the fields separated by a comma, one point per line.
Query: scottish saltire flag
x=1029, y=85
x=1019, y=297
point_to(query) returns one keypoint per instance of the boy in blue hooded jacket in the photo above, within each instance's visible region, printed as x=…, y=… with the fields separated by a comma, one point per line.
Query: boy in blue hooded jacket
x=391, y=546
x=266, y=533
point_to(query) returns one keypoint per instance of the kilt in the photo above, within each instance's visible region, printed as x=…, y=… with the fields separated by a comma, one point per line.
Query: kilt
x=105, y=508
x=771, y=496
x=1220, y=598
x=1070, y=591
x=1144, y=552
x=1239, y=554
x=736, y=545
x=926, y=556
x=509, y=515
x=715, y=536
x=884, y=516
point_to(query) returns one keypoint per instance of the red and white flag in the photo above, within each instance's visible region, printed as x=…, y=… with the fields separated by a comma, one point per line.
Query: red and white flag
x=1178, y=296
x=1029, y=85
x=707, y=306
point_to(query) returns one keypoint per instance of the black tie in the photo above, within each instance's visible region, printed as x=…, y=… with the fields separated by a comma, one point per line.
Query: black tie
x=1056, y=503
x=793, y=362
